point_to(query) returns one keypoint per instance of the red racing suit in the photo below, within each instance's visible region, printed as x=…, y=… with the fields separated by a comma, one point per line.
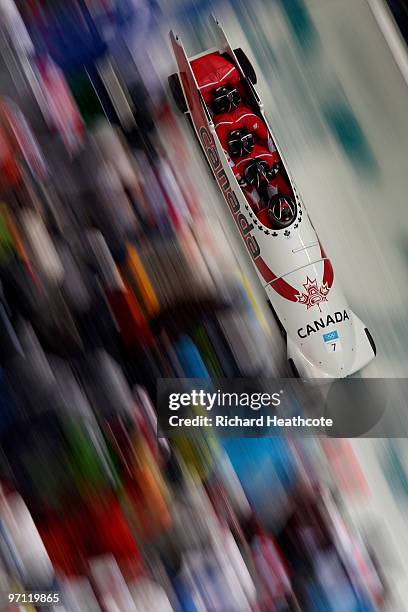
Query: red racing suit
x=212, y=71
x=239, y=118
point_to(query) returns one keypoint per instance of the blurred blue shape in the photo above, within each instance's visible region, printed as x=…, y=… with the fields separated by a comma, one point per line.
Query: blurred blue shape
x=74, y=36
x=70, y=36
x=395, y=470
x=336, y=110
x=250, y=455
x=267, y=472
x=190, y=359
x=185, y=598
x=301, y=24
x=348, y=133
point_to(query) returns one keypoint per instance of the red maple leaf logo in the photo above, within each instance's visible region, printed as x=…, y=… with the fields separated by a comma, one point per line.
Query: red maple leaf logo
x=315, y=294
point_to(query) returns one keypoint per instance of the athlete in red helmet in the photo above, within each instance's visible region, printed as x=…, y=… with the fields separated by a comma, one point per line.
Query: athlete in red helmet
x=241, y=118
x=261, y=169
x=261, y=180
x=212, y=72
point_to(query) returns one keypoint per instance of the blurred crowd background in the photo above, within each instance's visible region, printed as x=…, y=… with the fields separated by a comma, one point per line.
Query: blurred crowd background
x=118, y=266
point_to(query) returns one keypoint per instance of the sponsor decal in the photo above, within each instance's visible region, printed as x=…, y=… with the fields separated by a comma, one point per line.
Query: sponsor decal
x=314, y=295
x=332, y=342
x=245, y=227
x=315, y=326
x=331, y=336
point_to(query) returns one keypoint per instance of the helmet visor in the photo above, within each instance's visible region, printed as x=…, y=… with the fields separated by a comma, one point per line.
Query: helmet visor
x=257, y=172
x=240, y=142
x=225, y=99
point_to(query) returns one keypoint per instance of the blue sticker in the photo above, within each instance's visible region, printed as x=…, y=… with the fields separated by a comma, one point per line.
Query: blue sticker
x=331, y=336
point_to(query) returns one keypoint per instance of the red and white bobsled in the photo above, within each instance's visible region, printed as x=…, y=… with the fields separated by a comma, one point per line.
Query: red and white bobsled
x=324, y=336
